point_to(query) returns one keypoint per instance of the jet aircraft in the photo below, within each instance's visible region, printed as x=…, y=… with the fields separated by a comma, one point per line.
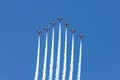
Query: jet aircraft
x=46, y=29
x=81, y=36
x=73, y=30
x=38, y=32
x=60, y=19
x=53, y=23
x=66, y=24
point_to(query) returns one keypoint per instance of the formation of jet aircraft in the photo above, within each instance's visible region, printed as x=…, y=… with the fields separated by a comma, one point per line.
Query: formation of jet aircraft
x=66, y=24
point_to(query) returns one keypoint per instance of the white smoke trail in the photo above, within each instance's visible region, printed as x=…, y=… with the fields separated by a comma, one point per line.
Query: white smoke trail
x=79, y=64
x=52, y=56
x=72, y=59
x=65, y=56
x=58, y=54
x=45, y=58
x=37, y=64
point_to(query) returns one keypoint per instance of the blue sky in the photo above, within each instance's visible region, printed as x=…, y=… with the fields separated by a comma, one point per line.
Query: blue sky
x=97, y=20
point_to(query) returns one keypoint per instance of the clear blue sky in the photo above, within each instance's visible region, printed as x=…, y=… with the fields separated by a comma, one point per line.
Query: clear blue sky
x=98, y=20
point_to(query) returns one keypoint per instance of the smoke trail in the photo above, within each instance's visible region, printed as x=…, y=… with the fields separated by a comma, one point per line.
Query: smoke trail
x=45, y=58
x=37, y=64
x=65, y=58
x=58, y=54
x=72, y=56
x=79, y=64
x=52, y=56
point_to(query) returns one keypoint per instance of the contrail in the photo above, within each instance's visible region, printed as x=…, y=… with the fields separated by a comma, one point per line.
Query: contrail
x=65, y=56
x=79, y=64
x=52, y=56
x=58, y=54
x=72, y=56
x=37, y=64
x=45, y=58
